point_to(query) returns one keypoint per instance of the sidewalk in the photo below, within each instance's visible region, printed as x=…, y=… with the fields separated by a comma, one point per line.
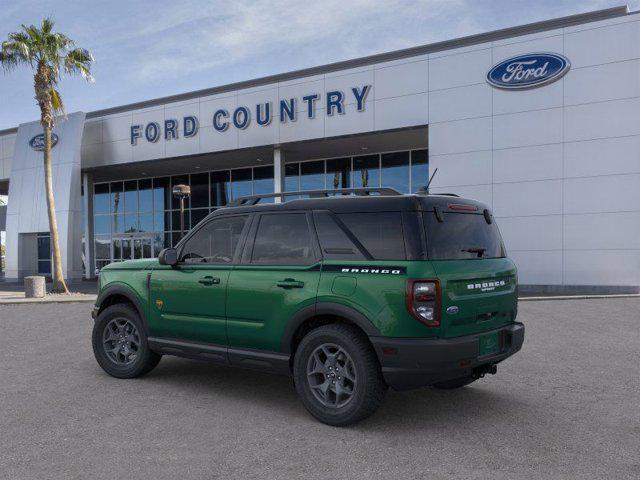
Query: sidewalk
x=13, y=293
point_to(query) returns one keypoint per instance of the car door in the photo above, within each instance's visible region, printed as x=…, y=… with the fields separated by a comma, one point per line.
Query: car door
x=278, y=276
x=188, y=300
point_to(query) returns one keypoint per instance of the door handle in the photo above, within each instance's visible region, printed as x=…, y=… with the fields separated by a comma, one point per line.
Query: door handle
x=290, y=283
x=209, y=280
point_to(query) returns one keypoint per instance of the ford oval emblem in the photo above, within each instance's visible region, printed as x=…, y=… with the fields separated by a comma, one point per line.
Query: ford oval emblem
x=528, y=71
x=452, y=310
x=37, y=142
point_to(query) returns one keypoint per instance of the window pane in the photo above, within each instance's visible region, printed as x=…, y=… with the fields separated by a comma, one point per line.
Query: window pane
x=241, y=182
x=145, y=223
x=216, y=242
x=312, y=175
x=118, y=224
x=419, y=169
x=102, y=224
x=175, y=221
x=145, y=196
x=161, y=241
x=334, y=242
x=198, y=215
x=117, y=249
x=380, y=233
x=131, y=223
x=263, y=182
x=102, y=248
x=179, y=180
x=283, y=240
x=161, y=221
x=117, y=190
x=161, y=194
x=366, y=171
x=291, y=177
x=131, y=196
x=220, y=188
x=395, y=171
x=101, y=198
x=126, y=249
x=200, y=190
x=338, y=173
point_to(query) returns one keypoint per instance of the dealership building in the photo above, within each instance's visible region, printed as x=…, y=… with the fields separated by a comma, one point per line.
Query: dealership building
x=541, y=122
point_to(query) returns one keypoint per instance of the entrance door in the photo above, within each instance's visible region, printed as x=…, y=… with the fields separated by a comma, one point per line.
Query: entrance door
x=132, y=247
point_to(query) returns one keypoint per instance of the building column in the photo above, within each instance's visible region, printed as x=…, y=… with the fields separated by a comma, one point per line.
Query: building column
x=278, y=172
x=87, y=207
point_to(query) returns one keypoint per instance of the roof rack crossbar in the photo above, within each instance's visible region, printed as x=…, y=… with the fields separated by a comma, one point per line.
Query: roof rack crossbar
x=254, y=199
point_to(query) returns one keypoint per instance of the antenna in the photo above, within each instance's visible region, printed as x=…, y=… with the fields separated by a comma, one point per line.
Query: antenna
x=431, y=179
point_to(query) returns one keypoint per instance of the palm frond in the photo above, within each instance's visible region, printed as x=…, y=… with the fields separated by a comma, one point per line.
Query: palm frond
x=79, y=60
x=56, y=101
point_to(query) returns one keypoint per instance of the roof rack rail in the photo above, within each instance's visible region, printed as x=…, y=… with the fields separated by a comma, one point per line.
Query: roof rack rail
x=254, y=199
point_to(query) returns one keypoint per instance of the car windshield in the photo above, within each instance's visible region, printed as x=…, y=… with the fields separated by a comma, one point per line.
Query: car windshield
x=462, y=236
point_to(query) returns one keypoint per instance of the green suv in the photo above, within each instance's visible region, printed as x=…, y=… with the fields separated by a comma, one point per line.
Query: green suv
x=348, y=292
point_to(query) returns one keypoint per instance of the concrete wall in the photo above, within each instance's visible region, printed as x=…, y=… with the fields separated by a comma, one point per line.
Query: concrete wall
x=559, y=164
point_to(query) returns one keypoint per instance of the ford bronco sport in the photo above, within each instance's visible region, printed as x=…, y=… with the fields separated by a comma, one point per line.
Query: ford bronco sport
x=348, y=294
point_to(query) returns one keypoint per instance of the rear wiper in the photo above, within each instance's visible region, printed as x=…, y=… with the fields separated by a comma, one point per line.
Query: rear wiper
x=477, y=250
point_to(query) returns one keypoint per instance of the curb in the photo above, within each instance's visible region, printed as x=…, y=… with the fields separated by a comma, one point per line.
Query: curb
x=578, y=297
x=31, y=301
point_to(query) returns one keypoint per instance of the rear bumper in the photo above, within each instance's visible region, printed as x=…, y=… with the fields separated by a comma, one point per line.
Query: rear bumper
x=412, y=363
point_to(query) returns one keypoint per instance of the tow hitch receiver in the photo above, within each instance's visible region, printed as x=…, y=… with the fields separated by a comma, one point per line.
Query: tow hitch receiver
x=483, y=370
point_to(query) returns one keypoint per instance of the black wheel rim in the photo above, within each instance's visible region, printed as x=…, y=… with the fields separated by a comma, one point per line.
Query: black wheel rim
x=331, y=375
x=121, y=341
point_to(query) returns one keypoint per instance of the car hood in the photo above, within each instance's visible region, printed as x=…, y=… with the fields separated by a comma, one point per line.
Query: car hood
x=132, y=265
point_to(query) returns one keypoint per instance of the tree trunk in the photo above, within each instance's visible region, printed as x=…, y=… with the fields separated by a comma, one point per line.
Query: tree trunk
x=59, y=285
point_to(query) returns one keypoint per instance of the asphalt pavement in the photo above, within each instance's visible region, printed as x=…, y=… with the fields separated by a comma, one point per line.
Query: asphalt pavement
x=567, y=406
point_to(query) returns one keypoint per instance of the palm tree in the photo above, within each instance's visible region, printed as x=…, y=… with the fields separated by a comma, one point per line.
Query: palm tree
x=47, y=53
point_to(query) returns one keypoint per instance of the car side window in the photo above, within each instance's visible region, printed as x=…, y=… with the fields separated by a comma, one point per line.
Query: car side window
x=380, y=232
x=216, y=242
x=334, y=242
x=283, y=239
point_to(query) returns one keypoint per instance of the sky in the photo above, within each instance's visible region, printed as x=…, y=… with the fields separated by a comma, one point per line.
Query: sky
x=149, y=49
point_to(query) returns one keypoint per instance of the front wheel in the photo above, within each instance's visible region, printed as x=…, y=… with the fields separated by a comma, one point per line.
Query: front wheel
x=337, y=375
x=120, y=343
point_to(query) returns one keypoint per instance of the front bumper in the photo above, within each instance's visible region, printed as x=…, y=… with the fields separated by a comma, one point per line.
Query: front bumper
x=412, y=363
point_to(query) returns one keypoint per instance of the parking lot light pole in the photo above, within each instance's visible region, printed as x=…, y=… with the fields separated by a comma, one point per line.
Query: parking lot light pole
x=181, y=192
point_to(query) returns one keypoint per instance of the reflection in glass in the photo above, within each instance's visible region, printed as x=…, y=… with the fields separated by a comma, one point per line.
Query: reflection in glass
x=145, y=223
x=312, y=175
x=395, y=171
x=131, y=223
x=101, y=198
x=419, y=169
x=220, y=188
x=241, y=182
x=117, y=249
x=263, y=182
x=145, y=195
x=161, y=194
x=126, y=249
x=102, y=247
x=102, y=224
x=292, y=177
x=200, y=190
x=338, y=173
x=117, y=224
x=131, y=196
x=366, y=171
x=117, y=190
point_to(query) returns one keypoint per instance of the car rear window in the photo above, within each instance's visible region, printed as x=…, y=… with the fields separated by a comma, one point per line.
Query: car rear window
x=462, y=236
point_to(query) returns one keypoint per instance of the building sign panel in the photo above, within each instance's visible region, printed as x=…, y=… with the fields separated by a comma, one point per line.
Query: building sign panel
x=528, y=71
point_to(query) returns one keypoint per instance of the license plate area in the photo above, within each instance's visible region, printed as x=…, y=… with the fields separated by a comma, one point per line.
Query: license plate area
x=488, y=344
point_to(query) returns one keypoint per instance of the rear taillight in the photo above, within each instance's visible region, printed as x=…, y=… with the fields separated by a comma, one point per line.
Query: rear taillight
x=423, y=301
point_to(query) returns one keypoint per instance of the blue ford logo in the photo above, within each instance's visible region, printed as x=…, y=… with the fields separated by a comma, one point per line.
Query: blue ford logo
x=37, y=142
x=528, y=71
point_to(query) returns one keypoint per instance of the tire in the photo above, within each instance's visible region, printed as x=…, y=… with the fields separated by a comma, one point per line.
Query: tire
x=360, y=378
x=455, y=383
x=133, y=358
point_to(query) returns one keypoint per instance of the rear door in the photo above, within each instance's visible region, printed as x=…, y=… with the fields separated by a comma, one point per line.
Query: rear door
x=188, y=300
x=478, y=282
x=278, y=276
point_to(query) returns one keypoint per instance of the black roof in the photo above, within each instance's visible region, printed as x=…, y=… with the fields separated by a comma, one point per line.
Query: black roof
x=358, y=204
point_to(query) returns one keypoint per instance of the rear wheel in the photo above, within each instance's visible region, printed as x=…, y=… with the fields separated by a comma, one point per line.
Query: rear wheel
x=455, y=383
x=120, y=343
x=337, y=375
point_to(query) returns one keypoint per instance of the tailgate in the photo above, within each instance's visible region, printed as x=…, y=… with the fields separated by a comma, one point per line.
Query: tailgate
x=477, y=295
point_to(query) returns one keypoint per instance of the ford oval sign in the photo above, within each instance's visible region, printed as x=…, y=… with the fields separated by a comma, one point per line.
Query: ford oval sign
x=528, y=71
x=37, y=142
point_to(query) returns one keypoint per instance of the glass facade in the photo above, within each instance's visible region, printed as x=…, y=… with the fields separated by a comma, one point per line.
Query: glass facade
x=137, y=218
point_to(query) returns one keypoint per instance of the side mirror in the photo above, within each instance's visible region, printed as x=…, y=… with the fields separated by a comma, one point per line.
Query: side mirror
x=168, y=256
